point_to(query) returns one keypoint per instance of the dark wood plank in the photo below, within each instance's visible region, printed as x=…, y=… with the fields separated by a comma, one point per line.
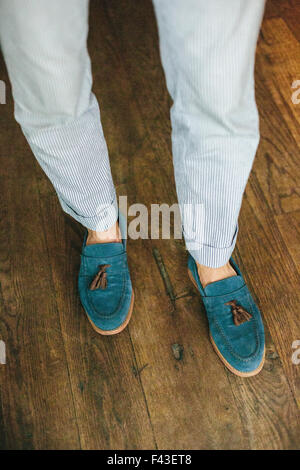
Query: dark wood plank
x=34, y=384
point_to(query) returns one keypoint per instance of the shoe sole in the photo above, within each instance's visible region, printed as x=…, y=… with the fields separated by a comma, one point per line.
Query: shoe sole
x=120, y=328
x=225, y=362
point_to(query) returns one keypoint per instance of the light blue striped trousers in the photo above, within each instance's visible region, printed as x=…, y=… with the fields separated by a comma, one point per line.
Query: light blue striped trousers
x=208, y=53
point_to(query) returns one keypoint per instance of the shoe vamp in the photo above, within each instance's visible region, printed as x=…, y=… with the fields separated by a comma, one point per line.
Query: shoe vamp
x=243, y=339
x=107, y=302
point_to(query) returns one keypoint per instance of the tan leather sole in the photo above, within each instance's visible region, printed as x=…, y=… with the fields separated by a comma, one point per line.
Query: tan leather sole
x=232, y=369
x=226, y=363
x=121, y=327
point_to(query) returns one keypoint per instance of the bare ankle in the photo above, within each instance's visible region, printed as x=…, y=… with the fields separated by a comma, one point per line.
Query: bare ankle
x=208, y=275
x=112, y=235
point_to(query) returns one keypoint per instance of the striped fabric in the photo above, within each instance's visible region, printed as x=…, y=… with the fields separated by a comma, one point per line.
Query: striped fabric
x=207, y=51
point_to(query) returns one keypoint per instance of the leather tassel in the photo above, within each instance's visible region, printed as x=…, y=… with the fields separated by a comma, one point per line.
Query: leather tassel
x=100, y=280
x=239, y=314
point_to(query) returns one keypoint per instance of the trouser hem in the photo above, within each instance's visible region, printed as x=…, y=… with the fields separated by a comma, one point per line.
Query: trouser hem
x=99, y=222
x=211, y=256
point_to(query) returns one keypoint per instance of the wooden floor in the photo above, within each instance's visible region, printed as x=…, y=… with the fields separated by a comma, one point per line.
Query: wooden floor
x=65, y=387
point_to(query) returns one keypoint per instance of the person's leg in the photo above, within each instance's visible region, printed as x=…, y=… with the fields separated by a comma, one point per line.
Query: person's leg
x=208, y=52
x=44, y=47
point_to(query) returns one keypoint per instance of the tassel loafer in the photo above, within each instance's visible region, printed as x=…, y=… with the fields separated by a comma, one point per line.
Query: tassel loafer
x=235, y=324
x=105, y=287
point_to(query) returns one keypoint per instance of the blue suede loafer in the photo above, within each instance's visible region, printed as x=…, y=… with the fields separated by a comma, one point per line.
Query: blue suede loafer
x=235, y=324
x=105, y=287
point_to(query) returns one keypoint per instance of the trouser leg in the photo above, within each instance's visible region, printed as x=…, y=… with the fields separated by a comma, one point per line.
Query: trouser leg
x=44, y=47
x=208, y=54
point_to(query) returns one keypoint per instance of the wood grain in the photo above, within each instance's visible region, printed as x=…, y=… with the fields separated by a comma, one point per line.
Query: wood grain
x=35, y=387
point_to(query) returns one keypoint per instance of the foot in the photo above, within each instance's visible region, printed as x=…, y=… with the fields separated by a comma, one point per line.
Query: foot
x=235, y=324
x=104, y=281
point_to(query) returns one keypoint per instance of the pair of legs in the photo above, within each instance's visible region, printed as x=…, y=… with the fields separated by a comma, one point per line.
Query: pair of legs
x=208, y=53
